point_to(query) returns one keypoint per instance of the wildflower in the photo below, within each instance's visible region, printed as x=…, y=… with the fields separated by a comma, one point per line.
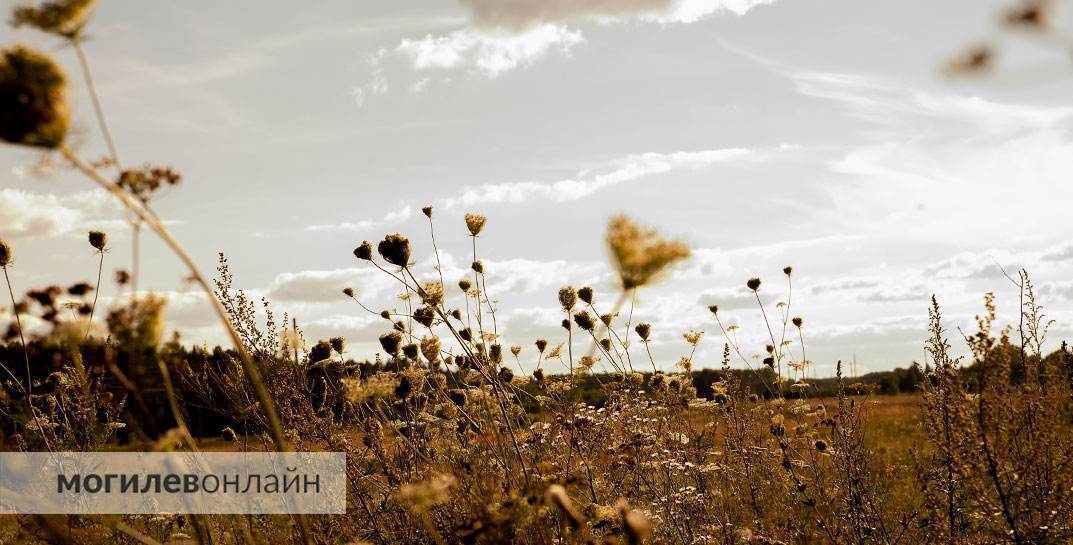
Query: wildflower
x=541, y=344
x=364, y=251
x=714, y=309
x=515, y=349
x=62, y=17
x=320, y=351
x=399, y=326
x=566, y=324
x=787, y=270
x=466, y=334
x=98, y=239
x=391, y=342
x=349, y=292
x=506, y=375
x=430, y=348
x=458, y=397
x=338, y=344
x=395, y=249
x=464, y=285
x=640, y=256
x=584, y=321
x=585, y=294
x=605, y=344
x=753, y=284
x=425, y=316
x=495, y=353
x=567, y=297
x=538, y=374
x=477, y=266
x=427, y=211
x=643, y=330
x=122, y=277
x=5, y=253
x=33, y=102
x=475, y=223
x=693, y=337
x=410, y=351
x=606, y=319
x=798, y=321
x=432, y=294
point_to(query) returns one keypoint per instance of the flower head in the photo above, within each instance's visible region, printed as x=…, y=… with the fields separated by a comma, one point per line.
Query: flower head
x=348, y=291
x=567, y=297
x=66, y=18
x=395, y=249
x=585, y=294
x=390, y=342
x=753, y=284
x=643, y=330
x=639, y=254
x=475, y=223
x=5, y=253
x=584, y=320
x=33, y=101
x=364, y=251
x=338, y=344
x=98, y=239
x=427, y=211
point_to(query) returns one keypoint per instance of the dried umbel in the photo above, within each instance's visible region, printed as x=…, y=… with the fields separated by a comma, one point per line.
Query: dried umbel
x=584, y=320
x=753, y=284
x=643, y=330
x=475, y=223
x=395, y=249
x=425, y=316
x=430, y=348
x=349, y=292
x=364, y=251
x=567, y=297
x=66, y=18
x=639, y=254
x=33, y=101
x=410, y=351
x=585, y=294
x=515, y=349
x=477, y=266
x=432, y=294
x=390, y=342
x=798, y=321
x=714, y=309
x=338, y=344
x=427, y=211
x=541, y=345
x=5, y=253
x=98, y=239
x=464, y=285
x=320, y=352
x=787, y=270
x=495, y=352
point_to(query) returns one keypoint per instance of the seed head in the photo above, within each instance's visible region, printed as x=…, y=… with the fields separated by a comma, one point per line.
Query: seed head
x=430, y=348
x=787, y=270
x=433, y=293
x=584, y=320
x=65, y=18
x=79, y=289
x=391, y=342
x=538, y=374
x=33, y=99
x=98, y=239
x=5, y=253
x=464, y=285
x=566, y=324
x=477, y=266
x=364, y=251
x=639, y=254
x=385, y=314
x=425, y=316
x=456, y=314
x=475, y=223
x=466, y=334
x=606, y=344
x=320, y=352
x=607, y=319
x=541, y=345
x=515, y=349
x=395, y=249
x=410, y=351
x=495, y=353
x=643, y=330
x=427, y=211
x=122, y=277
x=714, y=309
x=753, y=284
x=567, y=297
x=798, y=321
x=338, y=344
x=348, y=291
x=506, y=374
x=585, y=294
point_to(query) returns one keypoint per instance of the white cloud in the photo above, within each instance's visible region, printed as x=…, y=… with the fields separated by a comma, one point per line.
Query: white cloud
x=26, y=214
x=489, y=53
x=516, y=15
x=326, y=286
x=626, y=169
x=362, y=226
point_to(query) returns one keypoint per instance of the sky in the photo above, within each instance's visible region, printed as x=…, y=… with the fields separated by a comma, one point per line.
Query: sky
x=819, y=134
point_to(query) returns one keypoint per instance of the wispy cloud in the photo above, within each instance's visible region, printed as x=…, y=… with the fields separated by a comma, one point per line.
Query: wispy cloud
x=488, y=53
x=363, y=226
x=518, y=15
x=27, y=214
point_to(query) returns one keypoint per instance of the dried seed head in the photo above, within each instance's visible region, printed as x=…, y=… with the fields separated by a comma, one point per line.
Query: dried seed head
x=364, y=251
x=566, y=324
x=385, y=314
x=753, y=284
x=5, y=253
x=606, y=344
x=477, y=266
x=320, y=351
x=538, y=374
x=584, y=320
x=639, y=254
x=506, y=375
x=515, y=349
x=567, y=297
x=395, y=249
x=495, y=353
x=976, y=60
x=787, y=270
x=714, y=309
x=425, y=316
x=338, y=344
x=458, y=397
x=65, y=18
x=798, y=321
x=348, y=291
x=643, y=330
x=33, y=101
x=466, y=334
x=456, y=314
x=427, y=211
x=430, y=348
x=541, y=345
x=475, y=223
x=585, y=294
x=607, y=319
x=390, y=342
x=432, y=293
x=98, y=239
x=122, y=277
x=555, y=496
x=410, y=351
x=635, y=526
x=79, y=289
x=464, y=285
x=399, y=326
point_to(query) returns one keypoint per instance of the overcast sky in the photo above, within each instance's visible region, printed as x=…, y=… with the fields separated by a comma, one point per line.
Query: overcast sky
x=818, y=134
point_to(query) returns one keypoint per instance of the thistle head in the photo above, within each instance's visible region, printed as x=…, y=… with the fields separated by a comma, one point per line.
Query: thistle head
x=33, y=99
x=567, y=297
x=753, y=284
x=5, y=253
x=640, y=255
x=364, y=251
x=395, y=249
x=475, y=223
x=65, y=18
x=98, y=239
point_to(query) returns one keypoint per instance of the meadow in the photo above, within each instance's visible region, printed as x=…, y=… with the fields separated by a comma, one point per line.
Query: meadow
x=453, y=437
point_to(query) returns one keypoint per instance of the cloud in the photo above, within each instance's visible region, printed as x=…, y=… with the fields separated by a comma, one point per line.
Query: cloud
x=1062, y=253
x=26, y=214
x=488, y=53
x=395, y=216
x=326, y=286
x=518, y=15
x=843, y=285
x=897, y=295
x=626, y=169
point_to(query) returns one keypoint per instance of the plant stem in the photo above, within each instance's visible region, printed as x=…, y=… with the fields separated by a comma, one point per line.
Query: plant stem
x=96, y=293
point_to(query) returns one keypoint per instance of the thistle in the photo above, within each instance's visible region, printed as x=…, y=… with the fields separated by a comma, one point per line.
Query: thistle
x=475, y=223
x=395, y=249
x=639, y=254
x=33, y=101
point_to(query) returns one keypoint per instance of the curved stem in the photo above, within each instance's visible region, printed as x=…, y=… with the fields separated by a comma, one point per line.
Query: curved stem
x=96, y=293
x=76, y=41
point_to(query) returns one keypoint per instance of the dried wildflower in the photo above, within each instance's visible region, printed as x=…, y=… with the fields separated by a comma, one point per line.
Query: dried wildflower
x=714, y=309
x=798, y=321
x=98, y=239
x=122, y=277
x=753, y=284
x=33, y=102
x=430, y=348
x=427, y=211
x=567, y=297
x=639, y=254
x=566, y=324
x=425, y=316
x=477, y=266
x=464, y=285
x=556, y=352
x=541, y=344
x=364, y=251
x=515, y=349
x=390, y=342
x=320, y=351
x=506, y=375
x=466, y=334
x=1031, y=14
x=495, y=353
x=475, y=223
x=420, y=497
x=395, y=249
x=584, y=320
x=79, y=289
x=693, y=337
x=974, y=61
x=404, y=387
x=432, y=294
x=399, y=326
x=385, y=314
x=410, y=351
x=787, y=270
x=349, y=292
x=643, y=330
x=5, y=253
x=585, y=294
x=144, y=182
x=605, y=344
x=65, y=18
x=538, y=374
x=338, y=344
x=458, y=397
